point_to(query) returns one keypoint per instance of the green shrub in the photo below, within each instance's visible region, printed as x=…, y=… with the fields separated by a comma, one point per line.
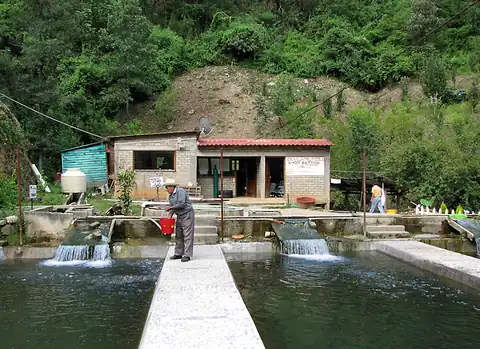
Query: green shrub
x=8, y=193
x=126, y=183
x=243, y=41
x=433, y=76
x=164, y=106
x=443, y=207
x=459, y=210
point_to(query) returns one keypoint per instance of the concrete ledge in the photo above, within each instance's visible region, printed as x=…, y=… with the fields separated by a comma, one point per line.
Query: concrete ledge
x=452, y=265
x=197, y=305
x=29, y=252
x=120, y=251
x=248, y=247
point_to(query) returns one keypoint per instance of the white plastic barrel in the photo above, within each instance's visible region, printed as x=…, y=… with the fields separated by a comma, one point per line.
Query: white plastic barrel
x=74, y=181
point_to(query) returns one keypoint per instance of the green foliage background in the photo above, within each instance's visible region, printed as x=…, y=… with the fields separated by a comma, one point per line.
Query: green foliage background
x=87, y=62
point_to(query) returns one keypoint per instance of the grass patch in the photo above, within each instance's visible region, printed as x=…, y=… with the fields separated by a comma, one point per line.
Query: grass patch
x=102, y=205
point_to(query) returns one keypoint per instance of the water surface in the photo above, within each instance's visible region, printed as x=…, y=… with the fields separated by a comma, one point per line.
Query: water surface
x=45, y=307
x=364, y=300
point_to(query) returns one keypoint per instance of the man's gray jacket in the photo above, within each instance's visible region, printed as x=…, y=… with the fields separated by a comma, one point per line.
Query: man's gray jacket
x=180, y=202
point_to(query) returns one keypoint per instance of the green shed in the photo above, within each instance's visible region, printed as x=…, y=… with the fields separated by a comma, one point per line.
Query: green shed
x=91, y=159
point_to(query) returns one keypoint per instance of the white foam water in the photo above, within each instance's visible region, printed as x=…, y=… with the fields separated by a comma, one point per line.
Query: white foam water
x=318, y=257
x=96, y=256
x=313, y=249
x=305, y=247
x=2, y=254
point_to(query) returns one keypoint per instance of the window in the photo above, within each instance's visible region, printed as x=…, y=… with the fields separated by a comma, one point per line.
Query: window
x=154, y=160
x=206, y=166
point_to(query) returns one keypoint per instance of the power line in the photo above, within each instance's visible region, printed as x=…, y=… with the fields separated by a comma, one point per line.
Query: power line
x=476, y=2
x=49, y=117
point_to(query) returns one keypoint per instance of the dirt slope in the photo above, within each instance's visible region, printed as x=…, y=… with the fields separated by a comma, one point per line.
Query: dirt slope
x=226, y=95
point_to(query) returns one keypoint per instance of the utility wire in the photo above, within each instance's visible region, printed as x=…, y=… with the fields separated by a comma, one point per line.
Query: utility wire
x=476, y=2
x=49, y=117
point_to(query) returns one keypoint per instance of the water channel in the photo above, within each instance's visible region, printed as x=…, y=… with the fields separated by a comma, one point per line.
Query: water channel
x=46, y=307
x=358, y=300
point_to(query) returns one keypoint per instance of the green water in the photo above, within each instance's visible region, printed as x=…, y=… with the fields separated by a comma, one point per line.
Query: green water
x=75, y=307
x=365, y=300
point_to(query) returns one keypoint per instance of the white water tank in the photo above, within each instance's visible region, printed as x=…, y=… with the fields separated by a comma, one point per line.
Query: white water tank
x=74, y=181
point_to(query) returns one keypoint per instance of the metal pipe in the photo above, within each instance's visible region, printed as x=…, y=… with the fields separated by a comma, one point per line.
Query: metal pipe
x=39, y=178
x=364, y=194
x=19, y=200
x=222, y=222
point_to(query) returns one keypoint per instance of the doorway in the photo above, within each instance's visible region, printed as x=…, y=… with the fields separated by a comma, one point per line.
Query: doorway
x=246, y=177
x=274, y=177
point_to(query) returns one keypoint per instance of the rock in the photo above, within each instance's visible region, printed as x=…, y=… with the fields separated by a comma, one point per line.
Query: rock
x=11, y=219
x=7, y=230
x=3, y=222
x=3, y=243
x=191, y=112
x=224, y=101
x=94, y=225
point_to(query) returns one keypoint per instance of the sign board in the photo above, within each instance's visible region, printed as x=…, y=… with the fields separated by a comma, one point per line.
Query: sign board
x=305, y=166
x=33, y=192
x=156, y=182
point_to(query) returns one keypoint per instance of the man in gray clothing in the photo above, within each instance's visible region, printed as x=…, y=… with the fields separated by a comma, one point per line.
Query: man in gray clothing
x=180, y=205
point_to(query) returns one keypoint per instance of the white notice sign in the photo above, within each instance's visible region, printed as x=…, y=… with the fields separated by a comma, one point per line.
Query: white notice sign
x=156, y=182
x=33, y=192
x=305, y=166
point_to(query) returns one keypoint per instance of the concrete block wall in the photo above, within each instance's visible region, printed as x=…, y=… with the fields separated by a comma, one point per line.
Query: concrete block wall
x=185, y=159
x=207, y=185
x=313, y=186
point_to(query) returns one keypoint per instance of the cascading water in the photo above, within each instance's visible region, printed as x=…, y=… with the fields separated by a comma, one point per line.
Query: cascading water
x=299, y=239
x=82, y=248
x=67, y=253
x=305, y=247
x=2, y=254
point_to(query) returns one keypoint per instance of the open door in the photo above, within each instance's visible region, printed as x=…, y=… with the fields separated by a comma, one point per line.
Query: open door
x=267, y=180
x=275, y=177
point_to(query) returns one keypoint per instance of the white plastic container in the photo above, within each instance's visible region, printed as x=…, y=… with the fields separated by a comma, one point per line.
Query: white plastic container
x=74, y=181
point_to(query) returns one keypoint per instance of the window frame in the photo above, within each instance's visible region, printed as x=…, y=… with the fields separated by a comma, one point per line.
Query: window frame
x=230, y=173
x=173, y=152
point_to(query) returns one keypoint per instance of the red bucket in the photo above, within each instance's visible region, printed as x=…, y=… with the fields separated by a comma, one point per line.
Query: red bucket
x=167, y=225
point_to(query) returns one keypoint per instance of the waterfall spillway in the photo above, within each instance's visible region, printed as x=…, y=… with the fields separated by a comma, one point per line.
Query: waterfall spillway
x=83, y=246
x=83, y=255
x=298, y=238
x=305, y=247
x=68, y=253
x=2, y=254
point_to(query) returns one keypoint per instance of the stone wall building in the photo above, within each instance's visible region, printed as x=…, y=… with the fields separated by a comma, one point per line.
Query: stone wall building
x=259, y=168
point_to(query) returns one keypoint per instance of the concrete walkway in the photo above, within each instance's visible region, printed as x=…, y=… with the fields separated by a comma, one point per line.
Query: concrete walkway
x=455, y=266
x=197, y=305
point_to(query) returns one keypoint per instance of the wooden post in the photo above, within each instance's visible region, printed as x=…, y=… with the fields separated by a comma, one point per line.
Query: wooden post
x=364, y=194
x=19, y=200
x=222, y=222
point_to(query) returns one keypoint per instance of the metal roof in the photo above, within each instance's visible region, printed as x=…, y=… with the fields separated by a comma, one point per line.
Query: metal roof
x=83, y=146
x=265, y=142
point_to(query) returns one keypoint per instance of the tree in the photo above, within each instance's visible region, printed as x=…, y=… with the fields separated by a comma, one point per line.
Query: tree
x=423, y=19
x=433, y=76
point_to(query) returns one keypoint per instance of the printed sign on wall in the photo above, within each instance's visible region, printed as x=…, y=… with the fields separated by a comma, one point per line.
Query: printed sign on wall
x=305, y=166
x=156, y=182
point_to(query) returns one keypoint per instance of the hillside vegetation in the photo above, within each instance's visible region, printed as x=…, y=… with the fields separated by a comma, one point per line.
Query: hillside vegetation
x=109, y=67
